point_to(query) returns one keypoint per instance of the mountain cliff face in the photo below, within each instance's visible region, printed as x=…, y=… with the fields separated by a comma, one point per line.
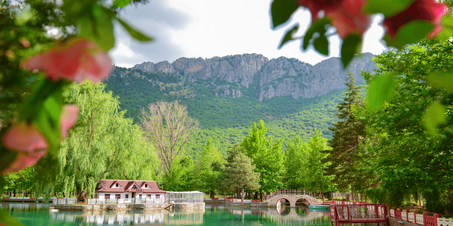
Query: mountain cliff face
x=256, y=76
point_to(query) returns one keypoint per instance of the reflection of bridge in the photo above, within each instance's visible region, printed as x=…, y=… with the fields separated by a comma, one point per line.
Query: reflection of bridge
x=312, y=218
x=282, y=217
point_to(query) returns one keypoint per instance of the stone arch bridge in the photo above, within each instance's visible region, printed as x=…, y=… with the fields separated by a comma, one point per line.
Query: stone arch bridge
x=293, y=199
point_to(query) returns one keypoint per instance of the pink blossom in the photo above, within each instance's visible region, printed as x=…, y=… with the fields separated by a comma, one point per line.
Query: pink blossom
x=68, y=118
x=30, y=143
x=348, y=18
x=346, y=15
x=315, y=6
x=428, y=10
x=24, y=160
x=24, y=138
x=75, y=60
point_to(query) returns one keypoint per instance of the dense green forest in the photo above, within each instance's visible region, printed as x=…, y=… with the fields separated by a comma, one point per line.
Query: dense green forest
x=225, y=119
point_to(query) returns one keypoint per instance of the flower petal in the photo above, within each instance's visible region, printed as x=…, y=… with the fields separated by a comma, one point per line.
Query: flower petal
x=75, y=60
x=23, y=160
x=24, y=138
x=68, y=119
x=429, y=10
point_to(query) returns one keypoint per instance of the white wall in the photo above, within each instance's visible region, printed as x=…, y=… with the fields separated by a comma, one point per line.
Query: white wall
x=112, y=195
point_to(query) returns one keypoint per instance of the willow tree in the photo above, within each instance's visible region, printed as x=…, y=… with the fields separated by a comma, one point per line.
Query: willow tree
x=102, y=144
x=168, y=127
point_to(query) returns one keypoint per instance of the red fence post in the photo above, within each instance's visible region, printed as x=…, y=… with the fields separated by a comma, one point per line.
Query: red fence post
x=435, y=218
x=407, y=215
x=415, y=216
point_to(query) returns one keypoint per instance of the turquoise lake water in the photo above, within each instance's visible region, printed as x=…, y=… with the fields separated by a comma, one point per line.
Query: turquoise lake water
x=218, y=215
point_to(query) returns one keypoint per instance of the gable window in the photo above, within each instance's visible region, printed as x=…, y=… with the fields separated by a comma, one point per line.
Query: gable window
x=146, y=185
x=116, y=185
x=107, y=196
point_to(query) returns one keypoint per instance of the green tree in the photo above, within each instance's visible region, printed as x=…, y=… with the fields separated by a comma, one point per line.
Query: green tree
x=348, y=132
x=103, y=144
x=296, y=156
x=209, y=169
x=403, y=155
x=239, y=173
x=267, y=157
x=316, y=178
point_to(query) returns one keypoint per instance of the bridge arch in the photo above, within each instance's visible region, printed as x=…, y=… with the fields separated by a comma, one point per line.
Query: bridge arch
x=293, y=199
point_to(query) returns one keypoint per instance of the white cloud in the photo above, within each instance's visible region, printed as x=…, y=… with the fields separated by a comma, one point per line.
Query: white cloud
x=206, y=28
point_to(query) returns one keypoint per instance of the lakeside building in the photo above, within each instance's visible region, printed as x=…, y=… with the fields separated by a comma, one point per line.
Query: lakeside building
x=127, y=189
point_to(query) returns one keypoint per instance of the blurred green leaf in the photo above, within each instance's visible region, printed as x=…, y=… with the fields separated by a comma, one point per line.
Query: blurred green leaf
x=134, y=33
x=48, y=120
x=352, y=44
x=281, y=11
x=382, y=6
x=447, y=30
x=98, y=27
x=318, y=26
x=120, y=3
x=289, y=35
x=7, y=220
x=40, y=93
x=442, y=79
x=6, y=157
x=380, y=90
x=434, y=115
x=2, y=184
x=410, y=32
x=321, y=44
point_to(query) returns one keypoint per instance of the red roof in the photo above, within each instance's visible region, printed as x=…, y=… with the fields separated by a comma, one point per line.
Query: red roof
x=126, y=186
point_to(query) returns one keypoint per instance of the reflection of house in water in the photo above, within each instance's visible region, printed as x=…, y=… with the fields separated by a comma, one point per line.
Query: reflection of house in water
x=110, y=218
x=130, y=218
x=24, y=206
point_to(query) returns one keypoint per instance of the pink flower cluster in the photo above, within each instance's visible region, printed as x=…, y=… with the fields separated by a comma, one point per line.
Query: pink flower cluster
x=347, y=15
x=30, y=143
x=75, y=60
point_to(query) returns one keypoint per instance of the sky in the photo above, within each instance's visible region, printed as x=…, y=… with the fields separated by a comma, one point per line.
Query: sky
x=208, y=28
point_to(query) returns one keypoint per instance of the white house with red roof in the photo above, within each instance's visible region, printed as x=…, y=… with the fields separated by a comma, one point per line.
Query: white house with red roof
x=126, y=189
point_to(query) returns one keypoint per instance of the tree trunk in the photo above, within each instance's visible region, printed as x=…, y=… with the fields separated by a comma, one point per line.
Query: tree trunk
x=81, y=195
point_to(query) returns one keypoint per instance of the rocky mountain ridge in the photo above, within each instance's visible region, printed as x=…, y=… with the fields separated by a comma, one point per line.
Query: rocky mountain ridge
x=256, y=76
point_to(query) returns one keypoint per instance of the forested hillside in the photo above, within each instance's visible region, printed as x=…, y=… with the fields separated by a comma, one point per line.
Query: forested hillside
x=227, y=106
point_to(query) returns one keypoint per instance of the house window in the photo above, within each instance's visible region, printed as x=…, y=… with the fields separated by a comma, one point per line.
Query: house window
x=140, y=195
x=157, y=196
x=146, y=185
x=149, y=195
x=127, y=196
x=117, y=196
x=107, y=196
x=95, y=196
x=116, y=185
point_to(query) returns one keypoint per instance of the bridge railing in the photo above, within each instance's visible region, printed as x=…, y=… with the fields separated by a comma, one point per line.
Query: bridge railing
x=288, y=192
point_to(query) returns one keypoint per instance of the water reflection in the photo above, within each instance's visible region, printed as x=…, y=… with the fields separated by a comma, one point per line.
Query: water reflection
x=39, y=215
x=130, y=217
x=24, y=206
x=286, y=215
